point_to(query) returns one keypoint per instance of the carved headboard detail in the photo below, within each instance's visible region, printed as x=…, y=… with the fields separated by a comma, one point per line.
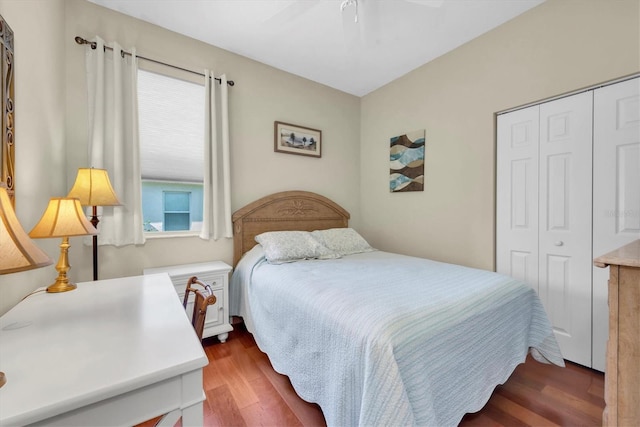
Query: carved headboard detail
x=287, y=210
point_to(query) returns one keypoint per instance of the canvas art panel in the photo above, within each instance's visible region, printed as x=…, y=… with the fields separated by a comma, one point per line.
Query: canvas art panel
x=406, y=156
x=293, y=139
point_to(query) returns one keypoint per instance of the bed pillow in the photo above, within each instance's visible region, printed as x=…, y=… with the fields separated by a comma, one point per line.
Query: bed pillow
x=288, y=246
x=344, y=241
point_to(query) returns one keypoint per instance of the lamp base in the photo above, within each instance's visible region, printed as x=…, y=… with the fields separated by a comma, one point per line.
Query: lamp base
x=3, y=379
x=61, y=287
x=62, y=281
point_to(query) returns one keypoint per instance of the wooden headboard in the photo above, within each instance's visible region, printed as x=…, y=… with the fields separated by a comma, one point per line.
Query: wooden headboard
x=287, y=210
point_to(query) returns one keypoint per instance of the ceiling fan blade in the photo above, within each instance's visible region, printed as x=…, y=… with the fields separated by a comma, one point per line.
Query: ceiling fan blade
x=290, y=12
x=350, y=29
x=370, y=23
x=363, y=31
x=429, y=3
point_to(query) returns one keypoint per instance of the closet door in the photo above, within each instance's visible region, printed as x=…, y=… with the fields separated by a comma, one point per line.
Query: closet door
x=517, y=195
x=565, y=258
x=616, y=192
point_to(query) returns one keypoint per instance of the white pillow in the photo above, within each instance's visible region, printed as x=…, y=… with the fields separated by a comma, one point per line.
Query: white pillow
x=288, y=246
x=343, y=241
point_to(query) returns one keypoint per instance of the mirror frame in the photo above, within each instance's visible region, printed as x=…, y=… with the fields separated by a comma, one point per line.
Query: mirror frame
x=7, y=154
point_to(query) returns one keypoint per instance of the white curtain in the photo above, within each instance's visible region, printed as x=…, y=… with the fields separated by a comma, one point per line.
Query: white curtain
x=114, y=141
x=217, y=182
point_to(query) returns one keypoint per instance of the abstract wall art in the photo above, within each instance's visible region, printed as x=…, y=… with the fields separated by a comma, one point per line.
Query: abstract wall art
x=407, y=162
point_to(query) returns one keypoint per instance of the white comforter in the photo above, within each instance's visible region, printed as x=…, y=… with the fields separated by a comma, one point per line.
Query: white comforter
x=385, y=339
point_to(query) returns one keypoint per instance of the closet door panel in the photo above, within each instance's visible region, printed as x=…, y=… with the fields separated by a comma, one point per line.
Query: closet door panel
x=616, y=192
x=517, y=195
x=565, y=257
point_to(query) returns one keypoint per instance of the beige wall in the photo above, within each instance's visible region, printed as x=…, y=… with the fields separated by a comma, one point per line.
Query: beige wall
x=557, y=47
x=38, y=28
x=51, y=80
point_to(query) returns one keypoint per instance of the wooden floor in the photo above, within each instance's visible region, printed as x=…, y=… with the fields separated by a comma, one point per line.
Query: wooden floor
x=242, y=389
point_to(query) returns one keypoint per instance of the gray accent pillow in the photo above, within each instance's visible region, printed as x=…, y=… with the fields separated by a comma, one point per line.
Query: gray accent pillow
x=288, y=246
x=344, y=241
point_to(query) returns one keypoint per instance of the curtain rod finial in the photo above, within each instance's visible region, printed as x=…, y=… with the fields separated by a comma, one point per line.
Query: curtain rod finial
x=80, y=40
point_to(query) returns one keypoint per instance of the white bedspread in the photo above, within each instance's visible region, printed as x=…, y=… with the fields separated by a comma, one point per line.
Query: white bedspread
x=384, y=339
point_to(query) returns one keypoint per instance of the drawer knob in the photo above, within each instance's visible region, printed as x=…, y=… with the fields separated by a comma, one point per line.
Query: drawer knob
x=559, y=243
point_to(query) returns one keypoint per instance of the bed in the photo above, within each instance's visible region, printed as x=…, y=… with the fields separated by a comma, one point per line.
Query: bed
x=377, y=338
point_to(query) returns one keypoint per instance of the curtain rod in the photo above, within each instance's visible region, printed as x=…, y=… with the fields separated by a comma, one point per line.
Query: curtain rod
x=94, y=45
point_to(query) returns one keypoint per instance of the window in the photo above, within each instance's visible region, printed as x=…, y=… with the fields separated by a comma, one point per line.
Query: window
x=171, y=125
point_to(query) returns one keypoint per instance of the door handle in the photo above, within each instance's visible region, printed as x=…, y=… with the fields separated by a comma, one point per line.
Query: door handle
x=559, y=243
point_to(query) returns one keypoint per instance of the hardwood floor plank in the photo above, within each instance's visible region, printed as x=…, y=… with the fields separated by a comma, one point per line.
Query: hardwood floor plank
x=499, y=415
x=217, y=350
x=224, y=410
x=525, y=398
x=310, y=414
x=479, y=419
x=211, y=376
x=239, y=387
x=596, y=389
x=242, y=359
x=573, y=381
x=571, y=400
x=272, y=410
x=556, y=411
x=520, y=412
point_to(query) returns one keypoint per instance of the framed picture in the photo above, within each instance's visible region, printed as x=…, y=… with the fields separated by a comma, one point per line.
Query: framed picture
x=8, y=108
x=293, y=139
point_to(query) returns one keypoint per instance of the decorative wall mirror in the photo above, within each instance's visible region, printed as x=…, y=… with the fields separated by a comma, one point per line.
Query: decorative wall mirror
x=7, y=153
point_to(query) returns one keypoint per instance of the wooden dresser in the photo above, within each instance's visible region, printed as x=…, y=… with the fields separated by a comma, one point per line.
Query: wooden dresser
x=622, y=375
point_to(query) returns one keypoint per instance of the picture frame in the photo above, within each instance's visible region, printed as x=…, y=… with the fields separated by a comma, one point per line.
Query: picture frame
x=294, y=139
x=7, y=117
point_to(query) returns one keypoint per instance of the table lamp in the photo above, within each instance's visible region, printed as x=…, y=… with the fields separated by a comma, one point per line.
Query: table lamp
x=93, y=188
x=19, y=253
x=64, y=218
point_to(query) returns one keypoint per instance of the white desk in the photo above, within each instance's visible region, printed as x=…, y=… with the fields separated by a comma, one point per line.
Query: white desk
x=112, y=352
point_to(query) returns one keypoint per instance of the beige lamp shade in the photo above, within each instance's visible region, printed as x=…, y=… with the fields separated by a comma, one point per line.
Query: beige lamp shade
x=63, y=218
x=18, y=251
x=93, y=188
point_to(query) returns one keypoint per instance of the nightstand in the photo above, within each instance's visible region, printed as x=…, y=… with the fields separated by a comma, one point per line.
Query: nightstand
x=214, y=273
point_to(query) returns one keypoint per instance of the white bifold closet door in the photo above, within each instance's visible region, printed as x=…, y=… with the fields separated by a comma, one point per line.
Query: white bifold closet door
x=544, y=212
x=564, y=234
x=568, y=190
x=616, y=190
x=517, y=194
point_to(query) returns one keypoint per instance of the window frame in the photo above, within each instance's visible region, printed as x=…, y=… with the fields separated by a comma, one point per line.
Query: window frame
x=191, y=77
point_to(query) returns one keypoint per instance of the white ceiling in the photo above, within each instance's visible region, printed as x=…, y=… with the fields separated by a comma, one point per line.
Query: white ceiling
x=316, y=40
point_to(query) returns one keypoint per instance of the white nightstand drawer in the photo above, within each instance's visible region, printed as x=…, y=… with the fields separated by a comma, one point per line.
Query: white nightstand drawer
x=216, y=275
x=214, y=280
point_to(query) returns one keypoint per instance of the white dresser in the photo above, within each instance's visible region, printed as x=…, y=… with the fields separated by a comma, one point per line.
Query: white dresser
x=214, y=273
